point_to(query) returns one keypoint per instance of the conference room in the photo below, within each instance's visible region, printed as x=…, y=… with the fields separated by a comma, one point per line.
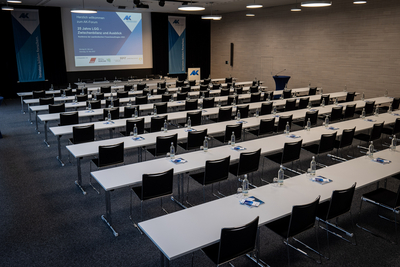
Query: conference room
x=326, y=72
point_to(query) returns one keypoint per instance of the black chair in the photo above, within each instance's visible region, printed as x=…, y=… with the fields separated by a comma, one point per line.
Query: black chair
x=225, y=92
x=163, y=145
x=350, y=96
x=326, y=99
x=113, y=111
x=69, y=118
x=82, y=91
x=301, y=219
x=374, y=134
x=99, y=96
x=395, y=105
x=195, y=140
x=326, y=144
x=181, y=96
x=205, y=94
x=68, y=92
x=115, y=102
x=46, y=101
x=216, y=86
x=232, y=98
x=346, y=140
x=166, y=97
x=82, y=134
x=234, y=242
x=224, y=114
x=162, y=85
x=82, y=98
x=140, y=100
x=122, y=94
x=236, y=129
x=228, y=80
x=209, y=102
x=141, y=86
x=195, y=117
x=244, y=111
x=310, y=115
x=349, y=111
x=206, y=81
x=162, y=108
x=179, y=83
x=287, y=93
x=253, y=89
x=203, y=87
x=38, y=94
x=290, y=104
x=283, y=120
x=94, y=104
x=303, y=102
x=105, y=89
x=57, y=108
x=270, y=94
x=192, y=82
x=369, y=108
x=248, y=163
x=156, y=123
x=266, y=108
x=186, y=89
x=129, y=111
x=130, y=124
x=147, y=92
x=255, y=97
x=339, y=204
x=393, y=129
x=191, y=104
x=128, y=87
x=267, y=126
x=161, y=91
x=291, y=153
x=336, y=113
x=383, y=199
x=108, y=156
x=214, y=171
x=155, y=185
x=312, y=91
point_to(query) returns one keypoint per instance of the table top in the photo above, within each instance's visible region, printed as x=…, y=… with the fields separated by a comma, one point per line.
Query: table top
x=190, y=229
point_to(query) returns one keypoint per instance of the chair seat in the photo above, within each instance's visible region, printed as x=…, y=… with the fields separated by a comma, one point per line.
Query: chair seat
x=382, y=196
x=280, y=226
x=387, y=130
x=323, y=209
x=212, y=252
x=198, y=177
x=312, y=148
x=138, y=191
x=275, y=157
x=362, y=137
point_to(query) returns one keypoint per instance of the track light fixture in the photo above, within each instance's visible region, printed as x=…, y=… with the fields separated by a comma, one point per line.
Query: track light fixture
x=161, y=3
x=110, y=1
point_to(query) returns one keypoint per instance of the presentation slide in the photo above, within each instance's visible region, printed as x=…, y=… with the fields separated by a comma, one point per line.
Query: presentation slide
x=107, y=40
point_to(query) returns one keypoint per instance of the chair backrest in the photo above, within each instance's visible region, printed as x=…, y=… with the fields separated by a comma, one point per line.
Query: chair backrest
x=224, y=92
x=192, y=82
x=376, y=131
x=270, y=94
x=395, y=103
x=224, y=114
x=350, y=96
x=249, y=162
x=216, y=170
x=141, y=86
x=290, y=104
x=325, y=98
x=209, y=102
x=206, y=81
x=237, y=129
x=195, y=117
x=57, y=108
x=157, y=184
x=162, y=107
x=313, y=116
x=340, y=202
x=131, y=123
x=255, y=97
x=244, y=111
x=203, y=87
x=179, y=83
x=396, y=127
x=181, y=96
x=115, y=102
x=186, y=89
x=68, y=91
x=253, y=89
x=69, y=118
x=327, y=142
x=237, y=241
x=204, y=93
x=113, y=111
x=128, y=87
x=266, y=126
x=162, y=85
x=38, y=94
x=82, y=91
x=161, y=91
x=336, y=113
x=99, y=96
x=139, y=100
x=82, y=98
x=105, y=89
x=266, y=108
x=349, y=112
x=283, y=121
x=122, y=94
x=303, y=102
x=166, y=97
x=191, y=104
x=287, y=93
x=347, y=137
x=302, y=217
x=94, y=103
x=195, y=139
x=216, y=86
x=111, y=155
x=129, y=111
x=163, y=144
x=83, y=134
x=369, y=107
x=231, y=98
x=239, y=90
x=46, y=101
x=228, y=80
x=147, y=91
x=291, y=151
x=312, y=91
x=157, y=123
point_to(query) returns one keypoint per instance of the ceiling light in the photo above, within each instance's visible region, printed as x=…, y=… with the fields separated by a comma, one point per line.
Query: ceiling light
x=14, y=1
x=250, y=15
x=83, y=10
x=7, y=8
x=212, y=17
x=295, y=9
x=254, y=5
x=190, y=7
x=316, y=4
x=358, y=2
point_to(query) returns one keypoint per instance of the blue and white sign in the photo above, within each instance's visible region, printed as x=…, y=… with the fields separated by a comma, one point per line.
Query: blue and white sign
x=177, y=44
x=28, y=45
x=193, y=74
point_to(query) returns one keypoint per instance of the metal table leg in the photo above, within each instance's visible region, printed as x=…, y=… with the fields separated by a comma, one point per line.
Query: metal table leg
x=79, y=181
x=36, y=122
x=22, y=105
x=45, y=134
x=164, y=260
x=107, y=218
x=30, y=114
x=59, y=150
x=179, y=200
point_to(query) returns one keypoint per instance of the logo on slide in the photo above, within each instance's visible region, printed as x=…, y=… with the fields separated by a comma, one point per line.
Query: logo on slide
x=24, y=16
x=127, y=18
x=92, y=60
x=176, y=21
x=195, y=72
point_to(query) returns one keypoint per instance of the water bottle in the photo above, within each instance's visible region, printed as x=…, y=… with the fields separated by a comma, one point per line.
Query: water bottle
x=233, y=139
x=376, y=113
x=172, y=151
x=363, y=96
x=129, y=102
x=309, y=105
x=345, y=88
x=219, y=103
x=309, y=85
x=386, y=93
x=245, y=186
x=274, y=110
x=205, y=144
x=281, y=176
x=109, y=116
x=394, y=143
x=269, y=98
x=189, y=123
x=390, y=109
x=201, y=106
x=76, y=99
x=313, y=166
x=89, y=106
x=165, y=126
x=257, y=113
x=308, y=127
x=323, y=102
x=136, y=112
x=94, y=96
x=363, y=113
x=238, y=115
x=135, y=130
x=287, y=128
x=155, y=110
x=321, y=92
x=336, y=101
x=234, y=102
x=371, y=150
x=326, y=121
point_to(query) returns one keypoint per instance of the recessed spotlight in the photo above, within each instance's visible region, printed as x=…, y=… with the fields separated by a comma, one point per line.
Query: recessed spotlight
x=316, y=4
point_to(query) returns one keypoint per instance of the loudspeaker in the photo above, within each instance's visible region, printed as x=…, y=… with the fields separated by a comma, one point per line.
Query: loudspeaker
x=232, y=54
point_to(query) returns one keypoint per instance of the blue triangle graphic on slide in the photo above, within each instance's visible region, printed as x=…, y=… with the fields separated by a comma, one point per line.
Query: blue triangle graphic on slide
x=134, y=44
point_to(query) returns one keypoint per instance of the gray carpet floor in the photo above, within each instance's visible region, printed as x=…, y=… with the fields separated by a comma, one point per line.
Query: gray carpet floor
x=47, y=221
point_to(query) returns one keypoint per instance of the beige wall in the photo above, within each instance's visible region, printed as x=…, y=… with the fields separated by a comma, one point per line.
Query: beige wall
x=345, y=44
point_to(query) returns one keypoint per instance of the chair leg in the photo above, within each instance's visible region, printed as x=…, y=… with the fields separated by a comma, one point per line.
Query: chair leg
x=90, y=179
x=131, y=214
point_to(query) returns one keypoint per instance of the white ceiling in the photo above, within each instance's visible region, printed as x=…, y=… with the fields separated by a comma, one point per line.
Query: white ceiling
x=171, y=6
